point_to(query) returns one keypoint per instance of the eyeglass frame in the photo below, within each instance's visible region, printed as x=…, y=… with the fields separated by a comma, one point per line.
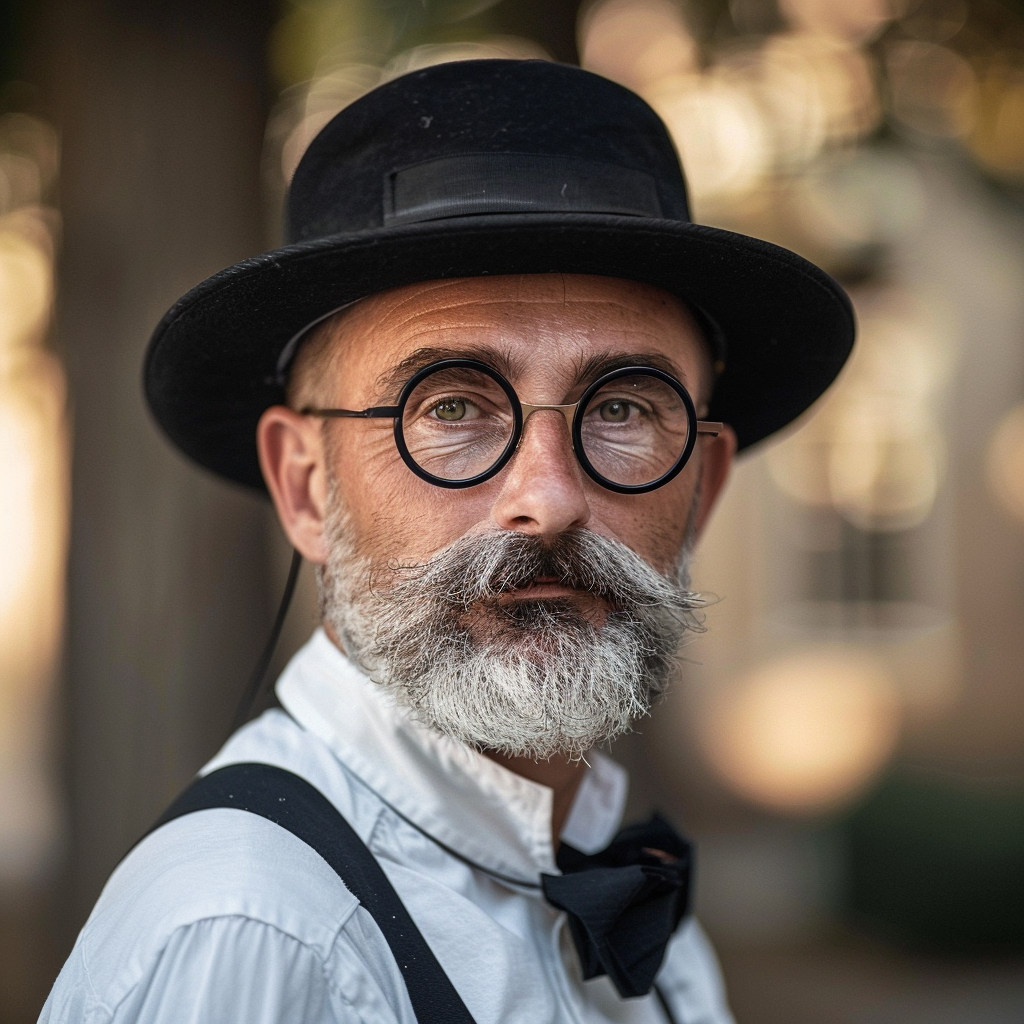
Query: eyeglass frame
x=521, y=412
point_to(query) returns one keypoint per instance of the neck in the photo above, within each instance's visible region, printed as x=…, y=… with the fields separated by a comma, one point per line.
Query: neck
x=562, y=777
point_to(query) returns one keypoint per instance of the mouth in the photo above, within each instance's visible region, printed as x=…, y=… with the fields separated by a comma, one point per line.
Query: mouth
x=541, y=588
x=550, y=588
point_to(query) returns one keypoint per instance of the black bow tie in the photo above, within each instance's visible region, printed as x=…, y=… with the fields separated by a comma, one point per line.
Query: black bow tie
x=625, y=902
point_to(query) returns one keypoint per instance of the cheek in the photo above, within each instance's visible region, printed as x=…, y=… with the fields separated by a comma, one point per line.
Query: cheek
x=396, y=515
x=653, y=524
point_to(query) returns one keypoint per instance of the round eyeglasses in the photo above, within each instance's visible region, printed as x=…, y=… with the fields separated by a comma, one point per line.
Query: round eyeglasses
x=459, y=421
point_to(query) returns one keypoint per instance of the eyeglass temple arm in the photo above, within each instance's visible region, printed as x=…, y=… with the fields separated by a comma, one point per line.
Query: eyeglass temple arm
x=375, y=412
x=710, y=427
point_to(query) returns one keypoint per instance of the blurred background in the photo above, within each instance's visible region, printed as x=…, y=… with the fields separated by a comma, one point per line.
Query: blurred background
x=847, y=741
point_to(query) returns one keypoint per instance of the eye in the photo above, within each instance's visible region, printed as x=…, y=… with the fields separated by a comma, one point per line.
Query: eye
x=451, y=410
x=615, y=410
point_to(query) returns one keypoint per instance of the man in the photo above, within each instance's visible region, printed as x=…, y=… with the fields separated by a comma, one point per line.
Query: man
x=494, y=387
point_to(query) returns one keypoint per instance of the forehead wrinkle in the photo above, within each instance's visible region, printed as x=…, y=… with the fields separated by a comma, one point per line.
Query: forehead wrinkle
x=579, y=330
x=557, y=289
x=517, y=312
x=562, y=295
x=415, y=295
x=539, y=294
x=391, y=310
x=400, y=316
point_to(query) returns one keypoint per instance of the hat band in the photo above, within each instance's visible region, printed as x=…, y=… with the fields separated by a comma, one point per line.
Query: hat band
x=481, y=183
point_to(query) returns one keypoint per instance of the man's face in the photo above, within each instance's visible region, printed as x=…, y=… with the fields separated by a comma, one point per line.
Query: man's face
x=555, y=334
x=539, y=590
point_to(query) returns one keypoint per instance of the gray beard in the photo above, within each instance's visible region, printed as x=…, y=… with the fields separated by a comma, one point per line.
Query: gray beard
x=531, y=678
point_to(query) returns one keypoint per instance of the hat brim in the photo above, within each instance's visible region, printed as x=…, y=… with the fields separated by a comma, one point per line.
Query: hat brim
x=211, y=366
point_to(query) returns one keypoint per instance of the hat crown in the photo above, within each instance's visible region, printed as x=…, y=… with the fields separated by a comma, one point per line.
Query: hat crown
x=486, y=136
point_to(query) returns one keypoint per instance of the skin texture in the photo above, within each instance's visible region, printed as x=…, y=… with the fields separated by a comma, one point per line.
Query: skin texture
x=541, y=330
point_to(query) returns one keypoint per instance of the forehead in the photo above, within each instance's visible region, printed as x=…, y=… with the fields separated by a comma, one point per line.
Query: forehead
x=538, y=324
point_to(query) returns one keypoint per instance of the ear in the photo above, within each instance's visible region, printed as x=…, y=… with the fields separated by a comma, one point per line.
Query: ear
x=292, y=458
x=715, y=463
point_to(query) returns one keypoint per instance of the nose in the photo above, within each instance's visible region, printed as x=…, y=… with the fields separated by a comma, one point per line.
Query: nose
x=542, y=490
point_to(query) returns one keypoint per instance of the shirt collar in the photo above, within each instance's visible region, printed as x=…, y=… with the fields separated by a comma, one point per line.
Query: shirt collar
x=467, y=802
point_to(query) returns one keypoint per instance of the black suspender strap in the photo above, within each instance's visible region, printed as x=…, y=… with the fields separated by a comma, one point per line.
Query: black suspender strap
x=289, y=801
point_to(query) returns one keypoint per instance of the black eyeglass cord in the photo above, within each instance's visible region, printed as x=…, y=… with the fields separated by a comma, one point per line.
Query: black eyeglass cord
x=256, y=680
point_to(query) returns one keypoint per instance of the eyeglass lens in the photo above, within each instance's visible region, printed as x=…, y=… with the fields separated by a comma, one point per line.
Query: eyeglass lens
x=457, y=423
x=634, y=430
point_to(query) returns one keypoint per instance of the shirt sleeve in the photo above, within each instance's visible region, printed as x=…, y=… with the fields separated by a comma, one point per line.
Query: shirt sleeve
x=233, y=970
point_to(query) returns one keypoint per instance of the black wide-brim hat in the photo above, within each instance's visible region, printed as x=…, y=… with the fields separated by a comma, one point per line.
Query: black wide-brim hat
x=480, y=168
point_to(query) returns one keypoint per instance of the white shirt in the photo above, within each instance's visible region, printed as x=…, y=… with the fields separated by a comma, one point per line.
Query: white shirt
x=222, y=916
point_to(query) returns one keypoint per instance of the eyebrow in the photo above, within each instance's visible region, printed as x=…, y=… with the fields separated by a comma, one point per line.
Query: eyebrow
x=587, y=370
x=391, y=381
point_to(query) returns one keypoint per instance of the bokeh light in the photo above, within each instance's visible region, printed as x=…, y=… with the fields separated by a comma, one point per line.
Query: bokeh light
x=855, y=21
x=815, y=91
x=1005, y=463
x=639, y=43
x=720, y=132
x=825, y=78
x=934, y=89
x=753, y=109
x=997, y=139
x=18, y=539
x=33, y=498
x=875, y=451
x=806, y=732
